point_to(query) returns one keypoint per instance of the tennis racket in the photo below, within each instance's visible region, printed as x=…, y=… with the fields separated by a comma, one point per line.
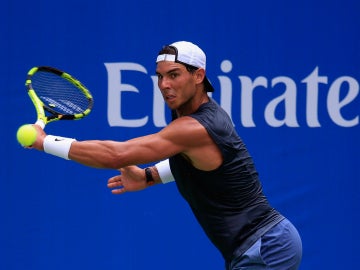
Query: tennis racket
x=57, y=95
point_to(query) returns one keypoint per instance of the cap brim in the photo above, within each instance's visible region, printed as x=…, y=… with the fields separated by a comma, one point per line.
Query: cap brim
x=208, y=86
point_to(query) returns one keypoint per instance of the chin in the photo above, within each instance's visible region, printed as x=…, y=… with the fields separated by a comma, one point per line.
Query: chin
x=172, y=105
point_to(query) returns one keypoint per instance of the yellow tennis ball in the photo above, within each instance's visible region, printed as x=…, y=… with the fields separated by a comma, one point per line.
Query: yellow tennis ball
x=26, y=135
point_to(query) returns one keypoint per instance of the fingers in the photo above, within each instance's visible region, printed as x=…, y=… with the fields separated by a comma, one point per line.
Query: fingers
x=113, y=183
x=118, y=191
x=116, y=185
x=114, y=179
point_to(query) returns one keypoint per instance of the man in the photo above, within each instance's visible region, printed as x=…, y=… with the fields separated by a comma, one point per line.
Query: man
x=210, y=164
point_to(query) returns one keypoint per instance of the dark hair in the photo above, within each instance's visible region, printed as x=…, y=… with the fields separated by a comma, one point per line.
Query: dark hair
x=190, y=68
x=168, y=50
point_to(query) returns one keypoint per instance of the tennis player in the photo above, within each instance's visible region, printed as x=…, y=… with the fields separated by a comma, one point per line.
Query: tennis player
x=201, y=151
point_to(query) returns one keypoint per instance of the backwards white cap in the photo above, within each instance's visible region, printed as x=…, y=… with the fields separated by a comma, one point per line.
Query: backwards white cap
x=190, y=54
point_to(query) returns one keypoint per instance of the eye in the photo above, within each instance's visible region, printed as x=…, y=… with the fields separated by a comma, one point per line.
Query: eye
x=173, y=75
x=159, y=76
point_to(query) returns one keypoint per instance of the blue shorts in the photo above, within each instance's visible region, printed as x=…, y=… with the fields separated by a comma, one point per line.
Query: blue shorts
x=280, y=248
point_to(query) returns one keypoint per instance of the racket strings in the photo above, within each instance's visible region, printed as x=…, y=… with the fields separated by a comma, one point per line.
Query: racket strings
x=59, y=94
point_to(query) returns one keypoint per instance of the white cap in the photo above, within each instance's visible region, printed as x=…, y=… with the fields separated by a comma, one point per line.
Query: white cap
x=187, y=53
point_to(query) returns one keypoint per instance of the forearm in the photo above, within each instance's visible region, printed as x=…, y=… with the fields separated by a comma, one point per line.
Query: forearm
x=97, y=154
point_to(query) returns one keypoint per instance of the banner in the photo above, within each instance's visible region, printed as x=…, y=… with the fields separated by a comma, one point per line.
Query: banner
x=287, y=74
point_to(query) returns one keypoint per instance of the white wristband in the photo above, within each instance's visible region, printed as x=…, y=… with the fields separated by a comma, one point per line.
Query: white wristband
x=164, y=171
x=57, y=146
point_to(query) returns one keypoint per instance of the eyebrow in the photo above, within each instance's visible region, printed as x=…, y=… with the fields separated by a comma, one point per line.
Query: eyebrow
x=170, y=71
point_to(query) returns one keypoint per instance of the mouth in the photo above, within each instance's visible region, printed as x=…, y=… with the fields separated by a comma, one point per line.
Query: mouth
x=170, y=97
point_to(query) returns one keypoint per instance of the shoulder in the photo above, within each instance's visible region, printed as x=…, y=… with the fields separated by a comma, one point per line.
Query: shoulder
x=185, y=131
x=185, y=125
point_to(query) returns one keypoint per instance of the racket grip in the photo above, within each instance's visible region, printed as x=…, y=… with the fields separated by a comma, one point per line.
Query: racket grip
x=40, y=123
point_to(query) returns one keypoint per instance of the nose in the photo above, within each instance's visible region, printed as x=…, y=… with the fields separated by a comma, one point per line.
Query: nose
x=163, y=83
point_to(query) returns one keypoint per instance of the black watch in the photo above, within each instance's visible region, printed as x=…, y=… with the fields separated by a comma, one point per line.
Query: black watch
x=149, y=178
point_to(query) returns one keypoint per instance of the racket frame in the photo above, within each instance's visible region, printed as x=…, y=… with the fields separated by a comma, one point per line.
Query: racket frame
x=41, y=108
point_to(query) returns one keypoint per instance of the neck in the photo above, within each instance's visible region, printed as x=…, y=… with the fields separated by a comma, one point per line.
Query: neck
x=192, y=105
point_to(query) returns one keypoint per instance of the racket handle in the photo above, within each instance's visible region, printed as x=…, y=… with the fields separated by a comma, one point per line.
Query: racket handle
x=40, y=123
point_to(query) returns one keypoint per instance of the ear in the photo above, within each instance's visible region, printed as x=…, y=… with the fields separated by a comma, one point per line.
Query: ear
x=199, y=75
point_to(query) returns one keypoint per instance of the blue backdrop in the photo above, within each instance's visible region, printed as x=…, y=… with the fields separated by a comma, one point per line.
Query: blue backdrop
x=288, y=74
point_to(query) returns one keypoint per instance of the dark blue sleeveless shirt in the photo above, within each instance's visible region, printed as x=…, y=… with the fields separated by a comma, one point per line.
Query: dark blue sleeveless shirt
x=228, y=202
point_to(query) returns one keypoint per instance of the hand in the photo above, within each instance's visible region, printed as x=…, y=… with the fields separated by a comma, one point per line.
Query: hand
x=38, y=144
x=132, y=178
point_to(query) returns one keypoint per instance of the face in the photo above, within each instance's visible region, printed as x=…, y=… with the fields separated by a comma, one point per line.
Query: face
x=177, y=85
